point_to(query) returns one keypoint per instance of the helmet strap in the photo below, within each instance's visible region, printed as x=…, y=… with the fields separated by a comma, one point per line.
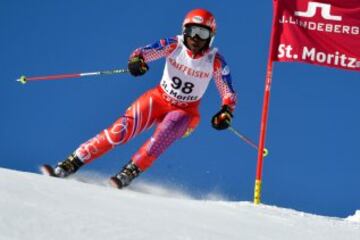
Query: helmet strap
x=212, y=38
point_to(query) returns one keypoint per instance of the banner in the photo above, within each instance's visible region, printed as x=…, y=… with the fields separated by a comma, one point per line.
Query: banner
x=323, y=32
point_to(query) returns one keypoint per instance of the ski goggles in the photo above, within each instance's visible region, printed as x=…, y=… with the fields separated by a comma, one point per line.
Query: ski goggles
x=202, y=32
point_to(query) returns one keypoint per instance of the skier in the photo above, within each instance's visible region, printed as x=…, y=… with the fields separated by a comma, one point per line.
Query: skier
x=173, y=106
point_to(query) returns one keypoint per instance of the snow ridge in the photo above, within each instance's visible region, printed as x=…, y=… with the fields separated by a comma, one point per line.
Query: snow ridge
x=39, y=207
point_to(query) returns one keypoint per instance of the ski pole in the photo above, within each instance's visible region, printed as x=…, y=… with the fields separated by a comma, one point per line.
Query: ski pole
x=248, y=140
x=23, y=79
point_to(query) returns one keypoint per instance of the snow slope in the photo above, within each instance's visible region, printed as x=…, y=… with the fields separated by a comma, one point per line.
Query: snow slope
x=39, y=207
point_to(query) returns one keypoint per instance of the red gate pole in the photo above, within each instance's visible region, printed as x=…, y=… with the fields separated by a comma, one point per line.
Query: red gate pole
x=264, y=118
x=265, y=111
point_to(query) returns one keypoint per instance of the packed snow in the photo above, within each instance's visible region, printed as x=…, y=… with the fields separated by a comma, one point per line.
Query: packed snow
x=33, y=206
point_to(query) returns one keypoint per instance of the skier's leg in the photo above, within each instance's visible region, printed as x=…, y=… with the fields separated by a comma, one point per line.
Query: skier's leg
x=138, y=117
x=173, y=126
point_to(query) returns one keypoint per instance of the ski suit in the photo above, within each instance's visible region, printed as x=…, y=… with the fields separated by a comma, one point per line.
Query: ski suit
x=172, y=105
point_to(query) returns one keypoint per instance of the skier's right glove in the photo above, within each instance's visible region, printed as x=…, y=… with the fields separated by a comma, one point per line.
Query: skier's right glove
x=137, y=66
x=222, y=119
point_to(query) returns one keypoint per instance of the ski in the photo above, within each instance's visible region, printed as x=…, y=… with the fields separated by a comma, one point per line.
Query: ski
x=115, y=183
x=47, y=170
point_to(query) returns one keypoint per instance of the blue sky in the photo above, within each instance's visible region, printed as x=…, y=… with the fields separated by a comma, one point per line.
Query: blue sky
x=313, y=127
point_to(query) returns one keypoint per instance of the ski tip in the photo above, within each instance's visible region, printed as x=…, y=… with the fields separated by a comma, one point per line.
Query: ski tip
x=47, y=170
x=115, y=183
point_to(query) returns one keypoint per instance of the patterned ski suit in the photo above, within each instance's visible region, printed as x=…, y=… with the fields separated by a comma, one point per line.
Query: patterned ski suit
x=172, y=105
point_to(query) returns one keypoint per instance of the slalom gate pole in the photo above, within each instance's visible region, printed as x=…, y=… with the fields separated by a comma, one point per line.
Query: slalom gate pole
x=264, y=118
x=265, y=113
x=23, y=79
x=247, y=140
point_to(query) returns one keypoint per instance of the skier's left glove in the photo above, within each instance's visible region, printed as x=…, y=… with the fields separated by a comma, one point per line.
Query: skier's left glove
x=222, y=119
x=137, y=66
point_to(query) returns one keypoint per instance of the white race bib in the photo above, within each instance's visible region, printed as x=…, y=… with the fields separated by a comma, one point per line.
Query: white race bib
x=186, y=79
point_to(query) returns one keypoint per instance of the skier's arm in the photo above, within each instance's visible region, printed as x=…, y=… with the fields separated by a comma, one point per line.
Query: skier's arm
x=222, y=77
x=154, y=51
x=222, y=119
x=138, y=60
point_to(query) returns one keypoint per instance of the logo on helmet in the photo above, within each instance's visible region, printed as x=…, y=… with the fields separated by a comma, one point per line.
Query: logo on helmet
x=197, y=19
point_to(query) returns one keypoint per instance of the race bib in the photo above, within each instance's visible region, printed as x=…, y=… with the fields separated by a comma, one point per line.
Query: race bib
x=184, y=78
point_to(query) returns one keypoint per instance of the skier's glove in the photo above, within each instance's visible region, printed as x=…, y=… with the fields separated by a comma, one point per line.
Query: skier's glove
x=137, y=66
x=222, y=119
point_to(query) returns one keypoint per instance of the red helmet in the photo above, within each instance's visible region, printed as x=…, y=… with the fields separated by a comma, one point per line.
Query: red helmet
x=201, y=17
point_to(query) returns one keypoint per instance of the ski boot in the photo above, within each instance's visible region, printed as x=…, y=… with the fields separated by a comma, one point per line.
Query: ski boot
x=64, y=168
x=127, y=174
